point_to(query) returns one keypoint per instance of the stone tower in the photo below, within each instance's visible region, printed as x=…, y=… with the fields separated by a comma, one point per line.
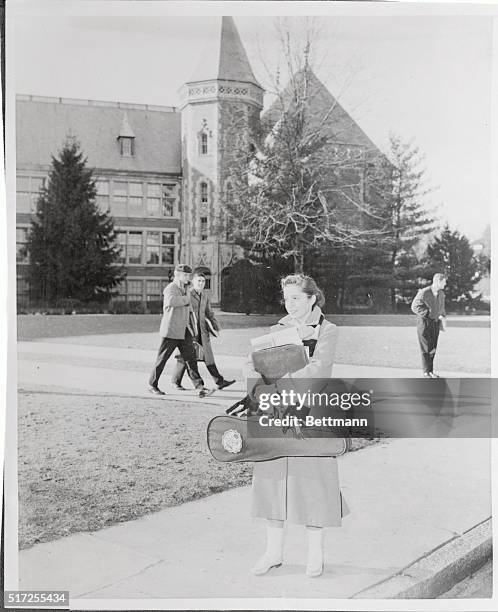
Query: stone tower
x=222, y=91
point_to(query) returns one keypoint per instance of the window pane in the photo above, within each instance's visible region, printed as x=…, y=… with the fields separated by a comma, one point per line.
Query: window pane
x=153, y=286
x=103, y=203
x=153, y=238
x=34, y=201
x=136, y=189
x=204, y=192
x=102, y=187
x=168, y=255
x=153, y=254
x=154, y=190
x=23, y=202
x=121, y=240
x=135, y=286
x=126, y=146
x=168, y=207
x=120, y=188
x=21, y=234
x=168, y=238
x=153, y=207
x=135, y=248
x=36, y=183
x=119, y=207
x=22, y=183
x=135, y=206
x=135, y=238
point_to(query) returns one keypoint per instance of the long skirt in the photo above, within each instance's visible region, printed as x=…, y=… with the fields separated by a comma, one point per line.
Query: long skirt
x=302, y=490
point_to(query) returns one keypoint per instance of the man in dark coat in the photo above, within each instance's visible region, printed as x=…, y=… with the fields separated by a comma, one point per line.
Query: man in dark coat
x=428, y=305
x=205, y=324
x=176, y=331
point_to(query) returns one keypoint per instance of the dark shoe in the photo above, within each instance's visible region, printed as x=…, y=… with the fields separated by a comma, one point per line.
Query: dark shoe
x=156, y=391
x=427, y=375
x=179, y=387
x=225, y=383
x=432, y=375
x=203, y=392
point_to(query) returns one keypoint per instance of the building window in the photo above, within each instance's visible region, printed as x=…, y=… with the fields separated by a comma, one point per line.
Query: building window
x=161, y=199
x=168, y=248
x=120, y=198
x=103, y=195
x=135, y=201
x=121, y=240
x=204, y=193
x=134, y=247
x=28, y=190
x=204, y=228
x=153, y=248
x=126, y=146
x=204, y=143
x=134, y=290
x=21, y=243
x=153, y=291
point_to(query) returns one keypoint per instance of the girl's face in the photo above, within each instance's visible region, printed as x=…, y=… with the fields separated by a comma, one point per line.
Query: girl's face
x=297, y=303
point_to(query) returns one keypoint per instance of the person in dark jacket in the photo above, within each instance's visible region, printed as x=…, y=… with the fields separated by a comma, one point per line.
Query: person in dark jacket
x=205, y=325
x=428, y=305
x=176, y=331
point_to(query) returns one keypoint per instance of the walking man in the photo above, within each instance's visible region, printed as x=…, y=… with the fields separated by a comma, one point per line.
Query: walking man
x=428, y=305
x=206, y=325
x=175, y=331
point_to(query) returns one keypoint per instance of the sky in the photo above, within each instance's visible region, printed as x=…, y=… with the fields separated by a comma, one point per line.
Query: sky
x=425, y=78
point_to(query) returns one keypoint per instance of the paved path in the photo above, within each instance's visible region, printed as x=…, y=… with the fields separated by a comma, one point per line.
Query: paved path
x=407, y=498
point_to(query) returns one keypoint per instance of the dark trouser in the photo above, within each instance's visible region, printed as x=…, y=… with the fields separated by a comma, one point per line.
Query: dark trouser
x=181, y=366
x=428, y=333
x=187, y=351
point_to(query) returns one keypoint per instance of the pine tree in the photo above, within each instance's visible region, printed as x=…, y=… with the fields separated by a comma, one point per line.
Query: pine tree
x=451, y=253
x=71, y=244
x=401, y=202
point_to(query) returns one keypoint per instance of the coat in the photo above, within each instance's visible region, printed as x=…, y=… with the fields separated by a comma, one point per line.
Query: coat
x=302, y=490
x=176, y=308
x=201, y=306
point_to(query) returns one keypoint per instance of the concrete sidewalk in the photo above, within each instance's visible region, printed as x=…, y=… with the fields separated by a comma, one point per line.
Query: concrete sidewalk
x=407, y=498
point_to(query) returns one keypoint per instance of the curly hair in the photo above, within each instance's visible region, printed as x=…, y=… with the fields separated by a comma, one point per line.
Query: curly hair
x=306, y=284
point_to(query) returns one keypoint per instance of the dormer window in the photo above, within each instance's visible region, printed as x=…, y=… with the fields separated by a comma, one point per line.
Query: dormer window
x=126, y=139
x=126, y=146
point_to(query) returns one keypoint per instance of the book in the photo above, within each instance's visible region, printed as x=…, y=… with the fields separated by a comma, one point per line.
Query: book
x=288, y=335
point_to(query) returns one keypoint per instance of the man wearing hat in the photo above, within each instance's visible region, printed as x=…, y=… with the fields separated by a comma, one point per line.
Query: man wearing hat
x=175, y=331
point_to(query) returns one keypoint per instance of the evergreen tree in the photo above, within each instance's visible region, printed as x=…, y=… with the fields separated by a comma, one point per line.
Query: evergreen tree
x=451, y=253
x=71, y=244
x=400, y=201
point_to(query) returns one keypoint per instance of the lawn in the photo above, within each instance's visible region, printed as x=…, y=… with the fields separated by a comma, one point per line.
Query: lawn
x=88, y=461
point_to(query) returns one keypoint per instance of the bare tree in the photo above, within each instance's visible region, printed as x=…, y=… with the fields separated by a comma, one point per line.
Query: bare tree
x=299, y=182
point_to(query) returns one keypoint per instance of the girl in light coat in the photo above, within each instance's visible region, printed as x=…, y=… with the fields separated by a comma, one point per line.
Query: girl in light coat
x=302, y=490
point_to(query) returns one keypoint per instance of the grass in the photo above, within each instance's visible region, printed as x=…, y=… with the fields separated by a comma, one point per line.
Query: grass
x=86, y=461
x=31, y=327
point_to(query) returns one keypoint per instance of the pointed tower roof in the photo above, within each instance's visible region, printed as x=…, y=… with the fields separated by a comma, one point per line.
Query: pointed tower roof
x=225, y=57
x=126, y=131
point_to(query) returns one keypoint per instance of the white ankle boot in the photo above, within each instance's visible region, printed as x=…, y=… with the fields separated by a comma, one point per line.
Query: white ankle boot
x=314, y=567
x=272, y=556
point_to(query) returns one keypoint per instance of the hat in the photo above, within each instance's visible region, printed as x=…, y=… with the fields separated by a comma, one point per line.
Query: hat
x=183, y=268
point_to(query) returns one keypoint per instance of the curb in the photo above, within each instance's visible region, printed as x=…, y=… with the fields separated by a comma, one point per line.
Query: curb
x=438, y=571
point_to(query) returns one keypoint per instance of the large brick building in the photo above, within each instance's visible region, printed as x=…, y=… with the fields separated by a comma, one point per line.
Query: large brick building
x=160, y=170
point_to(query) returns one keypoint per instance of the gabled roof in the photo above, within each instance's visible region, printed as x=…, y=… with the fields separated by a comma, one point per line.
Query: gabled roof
x=323, y=109
x=225, y=57
x=42, y=125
